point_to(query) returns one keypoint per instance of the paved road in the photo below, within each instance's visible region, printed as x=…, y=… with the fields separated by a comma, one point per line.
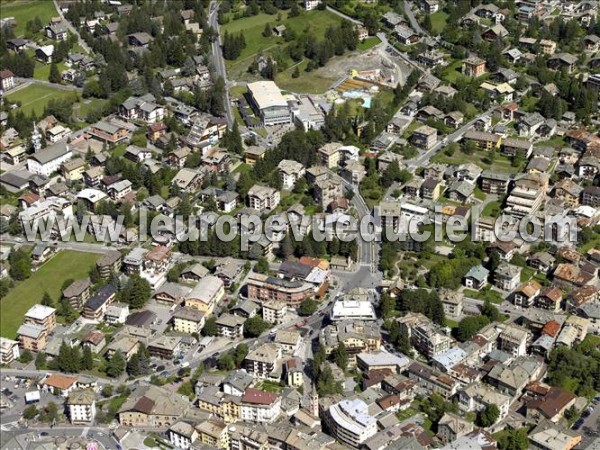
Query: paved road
x=423, y=159
x=24, y=82
x=217, y=56
x=72, y=29
x=341, y=14
x=414, y=23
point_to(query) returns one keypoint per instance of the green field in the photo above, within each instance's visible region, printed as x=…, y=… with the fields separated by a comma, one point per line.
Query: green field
x=253, y=27
x=49, y=278
x=83, y=108
x=438, y=22
x=368, y=43
x=34, y=98
x=42, y=71
x=500, y=164
x=26, y=10
x=307, y=82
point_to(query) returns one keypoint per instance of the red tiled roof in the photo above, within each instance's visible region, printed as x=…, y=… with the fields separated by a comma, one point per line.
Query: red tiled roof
x=258, y=397
x=6, y=73
x=59, y=381
x=551, y=328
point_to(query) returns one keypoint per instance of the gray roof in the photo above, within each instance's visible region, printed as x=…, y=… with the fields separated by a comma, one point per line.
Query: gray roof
x=479, y=272
x=51, y=153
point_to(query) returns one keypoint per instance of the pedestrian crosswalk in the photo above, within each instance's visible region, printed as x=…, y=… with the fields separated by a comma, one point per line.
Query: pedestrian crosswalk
x=9, y=426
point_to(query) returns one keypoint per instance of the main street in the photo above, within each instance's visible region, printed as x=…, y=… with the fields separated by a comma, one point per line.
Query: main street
x=423, y=159
x=217, y=58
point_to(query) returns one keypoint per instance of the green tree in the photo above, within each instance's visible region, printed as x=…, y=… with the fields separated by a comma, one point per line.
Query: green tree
x=255, y=326
x=490, y=311
x=54, y=75
x=514, y=440
x=226, y=362
x=296, y=72
x=40, y=361
x=262, y=265
x=210, y=327
x=46, y=299
x=308, y=307
x=387, y=305
x=30, y=412
x=240, y=354
x=469, y=326
x=87, y=359
x=107, y=390
x=136, y=292
x=268, y=31
x=20, y=265
x=488, y=416
x=116, y=365
x=26, y=356
x=340, y=356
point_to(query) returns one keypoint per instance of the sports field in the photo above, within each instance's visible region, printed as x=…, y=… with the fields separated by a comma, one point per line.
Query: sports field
x=35, y=97
x=49, y=278
x=25, y=10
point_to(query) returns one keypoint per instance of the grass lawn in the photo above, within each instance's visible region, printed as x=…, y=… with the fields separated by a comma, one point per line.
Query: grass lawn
x=307, y=82
x=316, y=21
x=452, y=72
x=500, y=164
x=270, y=386
x=368, y=43
x=34, y=98
x=438, y=21
x=409, y=412
x=49, y=277
x=42, y=71
x=593, y=243
x=86, y=105
x=25, y=10
x=484, y=294
x=451, y=323
x=492, y=209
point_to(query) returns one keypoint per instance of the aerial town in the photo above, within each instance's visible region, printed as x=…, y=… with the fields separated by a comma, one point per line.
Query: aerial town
x=300, y=224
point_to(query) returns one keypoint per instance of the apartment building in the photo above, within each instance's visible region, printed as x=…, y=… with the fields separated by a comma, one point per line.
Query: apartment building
x=261, y=362
x=230, y=326
x=81, y=405
x=9, y=350
x=188, y=320
x=329, y=154
x=209, y=291
x=513, y=340
x=97, y=304
x=263, y=197
x=259, y=406
x=350, y=422
x=263, y=288
x=43, y=316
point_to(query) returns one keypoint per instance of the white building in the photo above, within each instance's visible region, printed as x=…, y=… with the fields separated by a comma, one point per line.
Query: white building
x=290, y=171
x=49, y=160
x=259, y=406
x=352, y=309
x=82, y=406
x=350, y=422
x=269, y=103
x=182, y=435
x=116, y=313
x=263, y=197
x=311, y=4
x=9, y=350
x=477, y=396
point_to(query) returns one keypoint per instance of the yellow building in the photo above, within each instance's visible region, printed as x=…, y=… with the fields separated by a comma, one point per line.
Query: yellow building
x=213, y=433
x=73, y=170
x=209, y=291
x=253, y=154
x=231, y=410
x=188, y=320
